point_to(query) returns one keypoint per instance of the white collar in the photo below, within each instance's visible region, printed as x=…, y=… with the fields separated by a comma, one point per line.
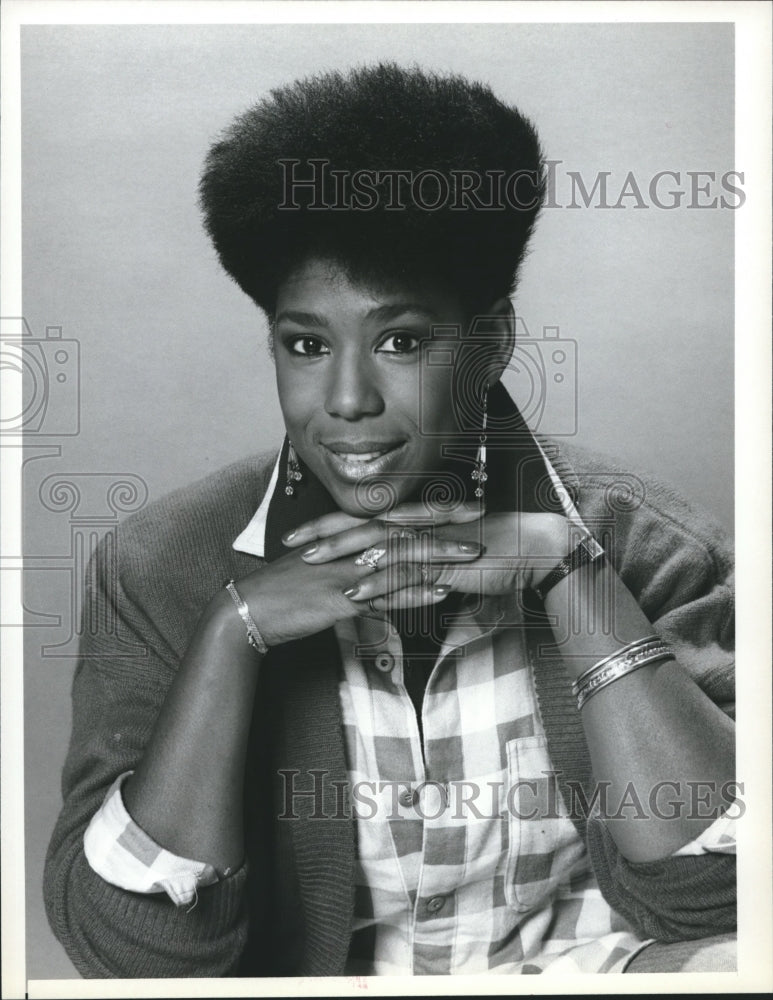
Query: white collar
x=253, y=539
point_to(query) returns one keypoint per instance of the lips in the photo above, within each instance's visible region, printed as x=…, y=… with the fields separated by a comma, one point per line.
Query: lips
x=354, y=460
x=361, y=447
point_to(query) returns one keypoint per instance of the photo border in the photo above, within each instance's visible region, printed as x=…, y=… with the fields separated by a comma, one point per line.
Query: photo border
x=753, y=502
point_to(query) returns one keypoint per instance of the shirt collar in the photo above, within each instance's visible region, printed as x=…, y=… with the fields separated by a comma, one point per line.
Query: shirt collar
x=253, y=539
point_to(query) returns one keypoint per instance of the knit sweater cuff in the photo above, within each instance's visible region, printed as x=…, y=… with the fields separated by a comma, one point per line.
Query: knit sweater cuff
x=111, y=932
x=677, y=898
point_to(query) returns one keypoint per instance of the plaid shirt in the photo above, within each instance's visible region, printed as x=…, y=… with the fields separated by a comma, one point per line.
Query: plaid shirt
x=468, y=860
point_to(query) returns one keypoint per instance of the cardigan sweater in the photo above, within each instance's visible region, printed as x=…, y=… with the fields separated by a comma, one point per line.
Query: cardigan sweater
x=288, y=910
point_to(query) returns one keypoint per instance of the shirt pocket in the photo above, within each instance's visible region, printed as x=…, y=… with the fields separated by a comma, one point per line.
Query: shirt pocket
x=544, y=848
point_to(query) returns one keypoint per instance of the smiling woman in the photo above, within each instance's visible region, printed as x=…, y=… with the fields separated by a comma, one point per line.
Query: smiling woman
x=465, y=701
x=349, y=373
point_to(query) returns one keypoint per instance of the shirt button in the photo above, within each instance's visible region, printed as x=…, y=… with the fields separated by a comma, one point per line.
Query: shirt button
x=406, y=797
x=385, y=662
x=436, y=904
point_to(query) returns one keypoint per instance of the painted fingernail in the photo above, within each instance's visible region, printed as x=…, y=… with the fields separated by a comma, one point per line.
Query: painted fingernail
x=288, y=536
x=471, y=547
x=310, y=550
x=351, y=592
x=441, y=590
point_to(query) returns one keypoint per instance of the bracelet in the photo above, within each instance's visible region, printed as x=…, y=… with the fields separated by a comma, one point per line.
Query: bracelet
x=585, y=552
x=625, y=661
x=632, y=653
x=631, y=647
x=254, y=638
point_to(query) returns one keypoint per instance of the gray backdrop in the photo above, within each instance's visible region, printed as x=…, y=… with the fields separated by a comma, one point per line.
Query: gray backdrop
x=116, y=121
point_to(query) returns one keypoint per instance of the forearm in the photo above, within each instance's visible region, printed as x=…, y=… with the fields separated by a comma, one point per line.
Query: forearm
x=187, y=790
x=650, y=726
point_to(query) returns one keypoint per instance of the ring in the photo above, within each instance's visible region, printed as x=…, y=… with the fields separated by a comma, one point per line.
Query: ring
x=370, y=605
x=424, y=570
x=370, y=557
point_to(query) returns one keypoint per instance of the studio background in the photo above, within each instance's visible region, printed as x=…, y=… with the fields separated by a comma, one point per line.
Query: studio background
x=116, y=122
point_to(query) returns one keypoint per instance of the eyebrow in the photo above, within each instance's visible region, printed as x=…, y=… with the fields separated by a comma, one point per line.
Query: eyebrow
x=385, y=312
x=301, y=317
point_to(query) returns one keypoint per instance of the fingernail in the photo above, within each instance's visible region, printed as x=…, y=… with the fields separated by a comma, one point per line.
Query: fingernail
x=351, y=592
x=441, y=590
x=471, y=547
x=310, y=550
x=289, y=535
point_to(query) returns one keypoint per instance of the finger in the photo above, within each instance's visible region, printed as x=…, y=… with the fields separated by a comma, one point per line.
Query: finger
x=356, y=541
x=429, y=548
x=322, y=527
x=394, y=578
x=416, y=514
x=409, y=597
x=352, y=541
x=421, y=514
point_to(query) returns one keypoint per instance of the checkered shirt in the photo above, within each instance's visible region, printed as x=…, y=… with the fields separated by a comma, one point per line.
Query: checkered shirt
x=468, y=861
x=123, y=854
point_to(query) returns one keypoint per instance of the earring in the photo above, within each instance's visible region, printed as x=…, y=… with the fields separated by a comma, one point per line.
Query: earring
x=479, y=473
x=294, y=474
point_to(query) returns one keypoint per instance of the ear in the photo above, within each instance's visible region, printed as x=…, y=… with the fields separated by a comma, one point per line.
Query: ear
x=502, y=320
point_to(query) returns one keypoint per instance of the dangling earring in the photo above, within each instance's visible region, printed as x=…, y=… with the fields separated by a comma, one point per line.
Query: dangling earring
x=479, y=473
x=294, y=474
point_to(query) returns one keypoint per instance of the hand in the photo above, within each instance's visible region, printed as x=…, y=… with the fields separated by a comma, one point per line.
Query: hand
x=519, y=550
x=315, y=585
x=512, y=551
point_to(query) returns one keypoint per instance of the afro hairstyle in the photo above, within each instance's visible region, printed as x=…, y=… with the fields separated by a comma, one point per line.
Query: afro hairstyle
x=377, y=119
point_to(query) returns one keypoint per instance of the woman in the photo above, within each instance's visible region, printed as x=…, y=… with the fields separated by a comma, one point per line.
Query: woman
x=418, y=687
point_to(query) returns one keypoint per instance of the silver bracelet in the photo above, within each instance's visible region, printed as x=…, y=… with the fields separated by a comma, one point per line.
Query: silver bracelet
x=631, y=647
x=619, y=665
x=254, y=638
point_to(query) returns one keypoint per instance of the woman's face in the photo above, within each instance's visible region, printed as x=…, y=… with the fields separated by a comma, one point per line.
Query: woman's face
x=359, y=404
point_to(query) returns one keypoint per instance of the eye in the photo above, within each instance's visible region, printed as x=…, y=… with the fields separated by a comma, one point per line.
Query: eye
x=308, y=347
x=400, y=343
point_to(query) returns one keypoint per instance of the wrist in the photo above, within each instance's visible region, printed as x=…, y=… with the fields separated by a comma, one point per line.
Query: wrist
x=222, y=622
x=254, y=636
x=587, y=552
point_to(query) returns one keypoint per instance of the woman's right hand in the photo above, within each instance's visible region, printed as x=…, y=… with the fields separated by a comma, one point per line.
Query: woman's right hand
x=304, y=592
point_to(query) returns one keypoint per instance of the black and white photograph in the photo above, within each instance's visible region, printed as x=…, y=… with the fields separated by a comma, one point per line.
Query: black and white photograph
x=385, y=454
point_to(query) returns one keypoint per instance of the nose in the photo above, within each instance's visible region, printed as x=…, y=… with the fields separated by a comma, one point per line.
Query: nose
x=353, y=390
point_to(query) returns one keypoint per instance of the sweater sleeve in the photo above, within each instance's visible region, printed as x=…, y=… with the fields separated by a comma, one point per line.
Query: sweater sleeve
x=121, y=679
x=679, y=568
x=678, y=898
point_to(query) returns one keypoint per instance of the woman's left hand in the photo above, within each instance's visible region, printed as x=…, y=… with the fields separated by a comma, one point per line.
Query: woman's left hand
x=519, y=549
